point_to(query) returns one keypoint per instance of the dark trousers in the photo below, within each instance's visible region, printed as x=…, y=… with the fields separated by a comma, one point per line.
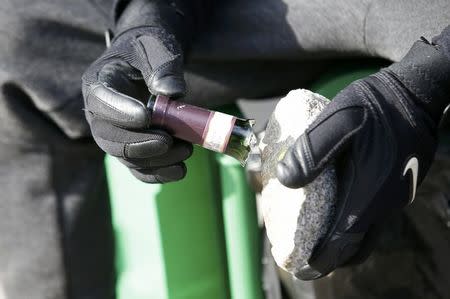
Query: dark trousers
x=56, y=237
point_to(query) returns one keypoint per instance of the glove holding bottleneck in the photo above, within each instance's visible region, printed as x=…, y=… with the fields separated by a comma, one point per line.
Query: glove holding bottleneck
x=145, y=56
x=381, y=132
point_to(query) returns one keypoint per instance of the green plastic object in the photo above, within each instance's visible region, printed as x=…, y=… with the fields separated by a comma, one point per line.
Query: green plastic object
x=242, y=236
x=169, y=237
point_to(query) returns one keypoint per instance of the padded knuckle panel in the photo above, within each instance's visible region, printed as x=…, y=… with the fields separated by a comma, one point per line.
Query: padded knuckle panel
x=146, y=149
x=118, y=108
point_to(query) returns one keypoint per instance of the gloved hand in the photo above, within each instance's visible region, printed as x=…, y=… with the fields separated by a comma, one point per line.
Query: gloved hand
x=145, y=55
x=381, y=134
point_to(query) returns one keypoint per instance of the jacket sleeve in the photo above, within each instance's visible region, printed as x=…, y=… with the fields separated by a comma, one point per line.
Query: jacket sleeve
x=182, y=18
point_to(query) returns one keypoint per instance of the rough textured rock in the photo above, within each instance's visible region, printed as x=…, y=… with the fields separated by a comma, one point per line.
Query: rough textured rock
x=296, y=219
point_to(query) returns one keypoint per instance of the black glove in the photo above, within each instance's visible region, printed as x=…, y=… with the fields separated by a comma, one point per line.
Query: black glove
x=145, y=55
x=381, y=133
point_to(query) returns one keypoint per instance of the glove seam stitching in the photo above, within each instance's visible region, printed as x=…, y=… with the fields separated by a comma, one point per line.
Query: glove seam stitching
x=384, y=123
x=140, y=51
x=320, y=120
x=125, y=151
x=347, y=136
x=125, y=143
x=306, y=149
x=401, y=99
x=132, y=29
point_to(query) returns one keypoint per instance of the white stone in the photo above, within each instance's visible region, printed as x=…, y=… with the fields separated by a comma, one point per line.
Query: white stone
x=295, y=219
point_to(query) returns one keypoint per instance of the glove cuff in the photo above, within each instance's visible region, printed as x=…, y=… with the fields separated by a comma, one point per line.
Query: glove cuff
x=425, y=71
x=164, y=15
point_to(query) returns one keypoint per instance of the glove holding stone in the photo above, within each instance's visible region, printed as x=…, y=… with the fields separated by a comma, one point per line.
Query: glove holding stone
x=381, y=133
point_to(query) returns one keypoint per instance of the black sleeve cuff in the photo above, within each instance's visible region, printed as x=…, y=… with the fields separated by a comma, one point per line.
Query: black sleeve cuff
x=425, y=71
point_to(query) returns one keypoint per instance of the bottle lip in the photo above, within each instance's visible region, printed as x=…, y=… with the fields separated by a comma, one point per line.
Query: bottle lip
x=251, y=139
x=151, y=102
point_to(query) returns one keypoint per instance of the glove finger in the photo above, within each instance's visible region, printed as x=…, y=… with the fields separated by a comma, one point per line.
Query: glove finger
x=321, y=142
x=167, y=174
x=161, y=66
x=125, y=143
x=116, y=108
x=124, y=78
x=179, y=152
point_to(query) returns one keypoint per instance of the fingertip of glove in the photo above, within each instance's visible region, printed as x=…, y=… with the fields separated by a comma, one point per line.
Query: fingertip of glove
x=161, y=175
x=308, y=273
x=172, y=86
x=336, y=251
x=144, y=177
x=172, y=173
x=289, y=176
x=188, y=150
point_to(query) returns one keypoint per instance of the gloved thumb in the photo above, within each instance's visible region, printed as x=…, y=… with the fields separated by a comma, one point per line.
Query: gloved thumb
x=331, y=133
x=161, y=64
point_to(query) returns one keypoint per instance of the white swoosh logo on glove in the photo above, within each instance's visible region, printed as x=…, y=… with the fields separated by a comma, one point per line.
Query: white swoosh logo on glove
x=413, y=165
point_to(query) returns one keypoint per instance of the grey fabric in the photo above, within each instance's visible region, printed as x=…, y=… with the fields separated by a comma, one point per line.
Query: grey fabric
x=56, y=238
x=46, y=45
x=299, y=29
x=291, y=36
